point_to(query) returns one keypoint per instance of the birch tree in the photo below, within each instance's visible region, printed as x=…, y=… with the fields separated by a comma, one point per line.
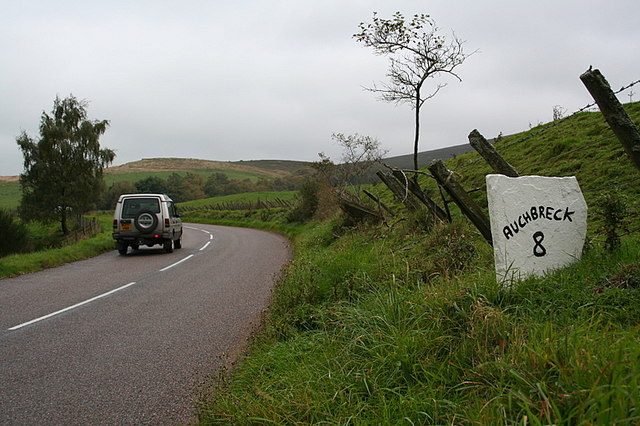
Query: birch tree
x=417, y=51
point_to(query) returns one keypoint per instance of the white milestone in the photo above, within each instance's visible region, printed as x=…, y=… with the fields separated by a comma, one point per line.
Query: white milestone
x=538, y=224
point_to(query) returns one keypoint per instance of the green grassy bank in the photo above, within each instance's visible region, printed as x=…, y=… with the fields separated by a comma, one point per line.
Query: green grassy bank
x=392, y=324
x=378, y=328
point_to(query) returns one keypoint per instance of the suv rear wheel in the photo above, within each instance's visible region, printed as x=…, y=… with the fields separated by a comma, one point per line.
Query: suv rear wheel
x=168, y=245
x=122, y=248
x=146, y=221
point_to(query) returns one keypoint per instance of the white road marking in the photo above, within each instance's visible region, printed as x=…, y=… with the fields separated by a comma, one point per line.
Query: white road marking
x=77, y=305
x=71, y=307
x=177, y=263
x=206, y=232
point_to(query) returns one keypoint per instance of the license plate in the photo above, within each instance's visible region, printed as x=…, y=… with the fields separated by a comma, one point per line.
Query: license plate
x=125, y=227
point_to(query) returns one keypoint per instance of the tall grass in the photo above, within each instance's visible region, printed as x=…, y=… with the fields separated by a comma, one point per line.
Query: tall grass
x=390, y=325
x=357, y=335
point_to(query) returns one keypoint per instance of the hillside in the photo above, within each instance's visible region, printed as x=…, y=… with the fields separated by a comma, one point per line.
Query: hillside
x=264, y=168
x=404, y=323
x=426, y=157
x=250, y=169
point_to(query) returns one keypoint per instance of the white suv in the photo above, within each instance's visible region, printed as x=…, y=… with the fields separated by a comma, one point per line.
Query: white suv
x=146, y=219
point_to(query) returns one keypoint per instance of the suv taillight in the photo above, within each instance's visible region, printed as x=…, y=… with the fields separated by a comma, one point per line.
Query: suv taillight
x=115, y=224
x=166, y=223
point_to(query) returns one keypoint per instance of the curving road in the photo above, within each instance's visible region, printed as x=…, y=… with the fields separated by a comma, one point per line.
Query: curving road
x=131, y=340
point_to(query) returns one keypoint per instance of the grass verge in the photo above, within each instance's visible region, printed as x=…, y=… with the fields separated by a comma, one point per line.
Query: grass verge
x=373, y=327
x=18, y=264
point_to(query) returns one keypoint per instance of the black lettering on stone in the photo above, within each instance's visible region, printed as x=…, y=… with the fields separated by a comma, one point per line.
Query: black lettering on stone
x=549, y=211
x=507, y=232
x=538, y=248
x=533, y=214
x=514, y=227
x=567, y=215
x=521, y=221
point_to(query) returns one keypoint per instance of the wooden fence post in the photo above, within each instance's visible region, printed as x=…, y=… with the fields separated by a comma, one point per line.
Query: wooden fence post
x=491, y=156
x=401, y=193
x=358, y=211
x=377, y=200
x=614, y=113
x=445, y=178
x=420, y=195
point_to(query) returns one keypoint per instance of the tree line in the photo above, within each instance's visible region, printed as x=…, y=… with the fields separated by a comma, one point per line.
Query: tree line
x=194, y=186
x=63, y=171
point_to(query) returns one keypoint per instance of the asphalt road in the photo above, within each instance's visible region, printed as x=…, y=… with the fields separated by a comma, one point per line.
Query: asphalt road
x=132, y=339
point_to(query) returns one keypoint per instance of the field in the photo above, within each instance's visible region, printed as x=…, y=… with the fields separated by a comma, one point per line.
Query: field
x=164, y=167
x=249, y=197
x=9, y=195
x=110, y=178
x=254, y=169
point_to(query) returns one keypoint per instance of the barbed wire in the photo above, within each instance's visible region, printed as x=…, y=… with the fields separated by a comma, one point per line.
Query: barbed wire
x=627, y=86
x=545, y=128
x=602, y=239
x=548, y=160
x=613, y=185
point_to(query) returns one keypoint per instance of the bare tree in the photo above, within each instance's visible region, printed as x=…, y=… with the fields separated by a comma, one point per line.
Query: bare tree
x=417, y=51
x=558, y=112
x=359, y=155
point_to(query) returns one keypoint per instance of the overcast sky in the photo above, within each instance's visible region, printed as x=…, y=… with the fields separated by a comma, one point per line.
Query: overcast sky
x=273, y=79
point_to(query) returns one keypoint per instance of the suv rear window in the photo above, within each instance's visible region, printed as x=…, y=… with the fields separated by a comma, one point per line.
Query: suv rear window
x=132, y=206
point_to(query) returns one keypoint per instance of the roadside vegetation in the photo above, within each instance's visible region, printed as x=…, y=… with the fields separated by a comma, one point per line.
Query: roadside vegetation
x=43, y=214
x=42, y=246
x=390, y=323
x=403, y=322
x=402, y=328
x=62, y=177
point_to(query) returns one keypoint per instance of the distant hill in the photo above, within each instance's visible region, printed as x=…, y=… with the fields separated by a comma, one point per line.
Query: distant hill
x=264, y=168
x=251, y=169
x=426, y=157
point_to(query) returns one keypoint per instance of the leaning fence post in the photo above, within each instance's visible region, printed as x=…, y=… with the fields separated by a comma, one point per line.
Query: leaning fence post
x=377, y=200
x=470, y=208
x=420, y=195
x=491, y=156
x=612, y=110
x=402, y=193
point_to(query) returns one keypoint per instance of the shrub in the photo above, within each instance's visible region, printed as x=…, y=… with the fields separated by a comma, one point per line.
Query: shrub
x=307, y=202
x=450, y=248
x=611, y=208
x=15, y=236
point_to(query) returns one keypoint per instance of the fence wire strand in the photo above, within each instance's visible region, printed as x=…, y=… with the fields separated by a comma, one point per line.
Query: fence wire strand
x=545, y=128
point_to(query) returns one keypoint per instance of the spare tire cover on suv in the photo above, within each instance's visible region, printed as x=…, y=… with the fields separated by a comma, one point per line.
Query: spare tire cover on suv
x=146, y=221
